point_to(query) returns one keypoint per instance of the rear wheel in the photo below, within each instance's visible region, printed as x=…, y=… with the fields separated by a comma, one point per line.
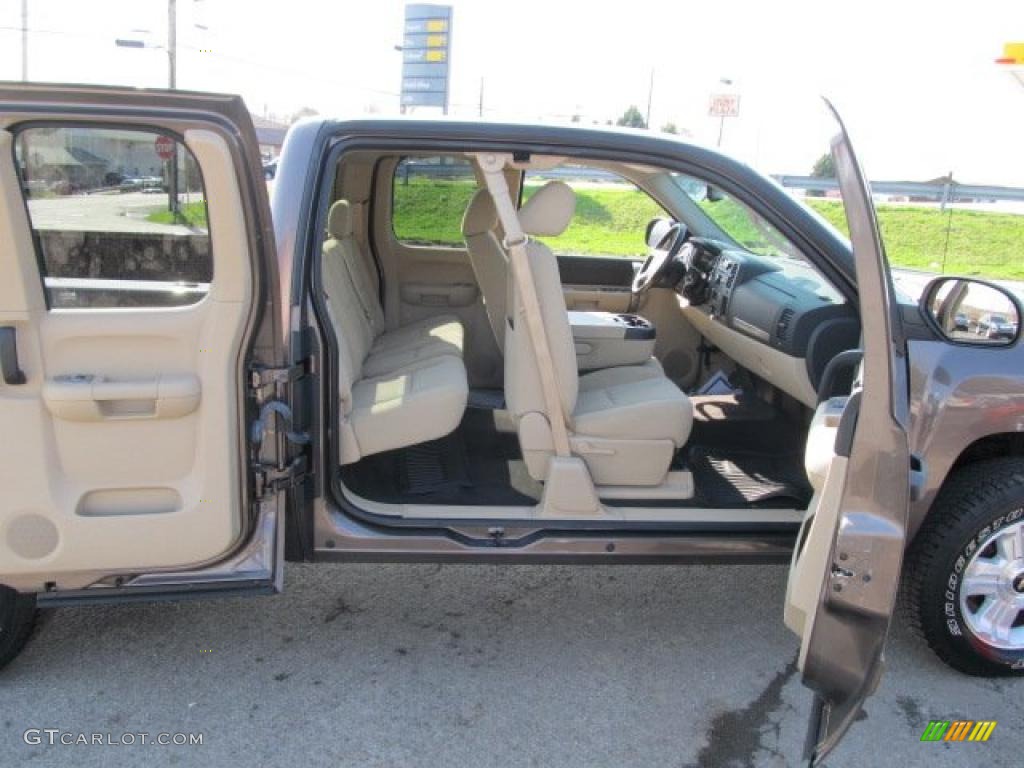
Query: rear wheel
x=17, y=619
x=964, y=585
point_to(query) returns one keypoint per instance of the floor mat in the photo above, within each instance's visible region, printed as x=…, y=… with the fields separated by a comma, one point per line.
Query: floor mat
x=748, y=479
x=435, y=467
x=727, y=423
x=478, y=464
x=486, y=399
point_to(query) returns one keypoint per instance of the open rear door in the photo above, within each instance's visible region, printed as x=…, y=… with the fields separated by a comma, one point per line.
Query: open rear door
x=138, y=289
x=845, y=570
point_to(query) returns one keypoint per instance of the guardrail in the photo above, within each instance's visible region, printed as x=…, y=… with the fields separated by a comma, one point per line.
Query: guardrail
x=948, y=192
x=943, y=193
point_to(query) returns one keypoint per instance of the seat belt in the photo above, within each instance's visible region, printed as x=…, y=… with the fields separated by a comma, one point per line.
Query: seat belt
x=492, y=165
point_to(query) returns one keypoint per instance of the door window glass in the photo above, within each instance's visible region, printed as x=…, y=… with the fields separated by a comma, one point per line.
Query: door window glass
x=118, y=215
x=429, y=197
x=611, y=213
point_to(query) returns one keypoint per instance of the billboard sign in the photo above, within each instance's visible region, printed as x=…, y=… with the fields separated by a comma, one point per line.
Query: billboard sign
x=426, y=47
x=724, y=105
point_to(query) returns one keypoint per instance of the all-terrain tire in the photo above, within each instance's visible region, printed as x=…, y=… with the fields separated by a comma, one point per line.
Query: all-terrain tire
x=17, y=620
x=976, y=502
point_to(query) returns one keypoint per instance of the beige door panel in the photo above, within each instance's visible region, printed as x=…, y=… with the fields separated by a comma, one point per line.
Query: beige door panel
x=125, y=442
x=597, y=298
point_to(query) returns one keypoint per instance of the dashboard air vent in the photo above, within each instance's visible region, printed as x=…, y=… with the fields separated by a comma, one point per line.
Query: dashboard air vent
x=782, y=327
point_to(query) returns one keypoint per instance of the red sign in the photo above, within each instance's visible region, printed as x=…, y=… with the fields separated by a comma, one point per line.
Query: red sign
x=164, y=147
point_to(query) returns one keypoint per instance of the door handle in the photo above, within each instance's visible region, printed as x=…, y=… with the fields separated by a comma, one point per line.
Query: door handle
x=9, y=367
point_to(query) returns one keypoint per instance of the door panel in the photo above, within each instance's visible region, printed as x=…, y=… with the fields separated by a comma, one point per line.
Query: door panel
x=597, y=283
x=845, y=569
x=130, y=435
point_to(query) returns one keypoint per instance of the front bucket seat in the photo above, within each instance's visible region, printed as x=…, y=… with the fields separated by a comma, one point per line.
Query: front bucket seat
x=626, y=423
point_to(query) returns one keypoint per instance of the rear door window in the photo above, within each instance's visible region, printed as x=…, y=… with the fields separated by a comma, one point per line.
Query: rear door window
x=429, y=198
x=118, y=215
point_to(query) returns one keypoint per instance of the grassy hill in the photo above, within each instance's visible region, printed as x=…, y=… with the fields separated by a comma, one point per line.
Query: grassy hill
x=610, y=221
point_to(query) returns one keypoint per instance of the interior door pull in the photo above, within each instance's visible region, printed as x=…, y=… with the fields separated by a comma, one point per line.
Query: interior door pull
x=12, y=373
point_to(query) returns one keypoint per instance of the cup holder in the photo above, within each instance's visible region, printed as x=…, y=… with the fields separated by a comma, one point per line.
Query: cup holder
x=637, y=327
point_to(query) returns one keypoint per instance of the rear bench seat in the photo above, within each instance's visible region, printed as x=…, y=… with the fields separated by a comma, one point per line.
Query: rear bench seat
x=396, y=387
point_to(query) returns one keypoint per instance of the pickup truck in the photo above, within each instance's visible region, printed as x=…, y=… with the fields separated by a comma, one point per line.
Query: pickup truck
x=400, y=356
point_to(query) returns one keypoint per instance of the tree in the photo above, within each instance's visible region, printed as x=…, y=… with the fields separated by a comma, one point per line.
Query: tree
x=632, y=118
x=824, y=168
x=670, y=128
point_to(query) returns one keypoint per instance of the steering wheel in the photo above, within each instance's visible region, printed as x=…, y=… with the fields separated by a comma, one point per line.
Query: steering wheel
x=659, y=259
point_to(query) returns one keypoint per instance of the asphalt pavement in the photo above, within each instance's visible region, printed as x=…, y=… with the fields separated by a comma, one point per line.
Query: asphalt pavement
x=426, y=665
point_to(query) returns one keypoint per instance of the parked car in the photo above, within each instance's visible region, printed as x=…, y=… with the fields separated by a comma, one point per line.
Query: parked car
x=361, y=382
x=996, y=326
x=961, y=323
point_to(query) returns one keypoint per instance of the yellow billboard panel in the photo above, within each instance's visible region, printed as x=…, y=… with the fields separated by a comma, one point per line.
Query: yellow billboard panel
x=437, y=25
x=435, y=56
x=1013, y=53
x=437, y=41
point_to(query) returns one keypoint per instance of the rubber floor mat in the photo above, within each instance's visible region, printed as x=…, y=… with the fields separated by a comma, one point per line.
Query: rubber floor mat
x=743, y=479
x=433, y=467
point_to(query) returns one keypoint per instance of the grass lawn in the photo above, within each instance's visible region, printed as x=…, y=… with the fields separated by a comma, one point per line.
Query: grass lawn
x=610, y=221
x=979, y=243
x=192, y=215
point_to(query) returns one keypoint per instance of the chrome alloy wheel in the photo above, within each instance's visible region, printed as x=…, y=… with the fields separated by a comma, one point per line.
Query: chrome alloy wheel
x=992, y=589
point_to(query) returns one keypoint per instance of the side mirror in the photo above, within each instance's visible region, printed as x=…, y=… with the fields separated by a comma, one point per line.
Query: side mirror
x=656, y=231
x=968, y=311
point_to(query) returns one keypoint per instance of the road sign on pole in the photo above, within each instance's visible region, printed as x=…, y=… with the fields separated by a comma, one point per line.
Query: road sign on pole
x=426, y=56
x=164, y=146
x=724, y=105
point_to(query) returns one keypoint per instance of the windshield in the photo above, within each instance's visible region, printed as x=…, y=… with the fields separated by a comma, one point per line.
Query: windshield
x=736, y=221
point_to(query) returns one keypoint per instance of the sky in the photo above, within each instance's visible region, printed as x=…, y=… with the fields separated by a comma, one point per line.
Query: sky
x=915, y=81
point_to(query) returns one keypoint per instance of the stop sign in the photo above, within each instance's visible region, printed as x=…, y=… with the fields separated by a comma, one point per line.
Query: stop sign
x=164, y=146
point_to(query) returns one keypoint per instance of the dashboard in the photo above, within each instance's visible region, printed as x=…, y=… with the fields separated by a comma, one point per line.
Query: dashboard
x=774, y=315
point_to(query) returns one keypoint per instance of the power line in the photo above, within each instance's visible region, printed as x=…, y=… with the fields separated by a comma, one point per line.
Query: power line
x=225, y=57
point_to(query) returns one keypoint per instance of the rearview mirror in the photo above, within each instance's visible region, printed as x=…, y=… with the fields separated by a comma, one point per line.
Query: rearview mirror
x=969, y=311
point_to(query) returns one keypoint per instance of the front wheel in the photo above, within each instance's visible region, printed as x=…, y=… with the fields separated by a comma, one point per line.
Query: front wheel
x=964, y=585
x=17, y=619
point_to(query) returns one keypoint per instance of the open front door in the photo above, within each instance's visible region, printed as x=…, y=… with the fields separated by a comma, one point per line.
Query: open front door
x=138, y=283
x=845, y=570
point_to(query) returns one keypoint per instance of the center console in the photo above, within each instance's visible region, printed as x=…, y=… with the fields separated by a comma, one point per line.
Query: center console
x=607, y=339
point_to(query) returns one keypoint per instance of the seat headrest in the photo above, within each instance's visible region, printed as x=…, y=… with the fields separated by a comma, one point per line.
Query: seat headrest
x=548, y=212
x=481, y=216
x=339, y=220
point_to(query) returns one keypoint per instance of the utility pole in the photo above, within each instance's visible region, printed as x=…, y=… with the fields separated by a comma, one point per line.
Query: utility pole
x=24, y=40
x=172, y=79
x=650, y=98
x=481, y=110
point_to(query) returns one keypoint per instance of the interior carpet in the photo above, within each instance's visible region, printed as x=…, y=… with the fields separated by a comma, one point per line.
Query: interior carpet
x=730, y=423
x=486, y=399
x=731, y=478
x=478, y=464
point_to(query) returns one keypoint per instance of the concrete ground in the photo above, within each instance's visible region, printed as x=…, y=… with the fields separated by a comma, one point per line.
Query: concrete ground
x=418, y=665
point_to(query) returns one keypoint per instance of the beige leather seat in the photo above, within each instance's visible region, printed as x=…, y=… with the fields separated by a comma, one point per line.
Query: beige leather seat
x=488, y=259
x=626, y=423
x=396, y=387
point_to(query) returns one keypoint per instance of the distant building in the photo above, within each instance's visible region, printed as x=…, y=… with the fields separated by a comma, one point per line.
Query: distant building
x=270, y=135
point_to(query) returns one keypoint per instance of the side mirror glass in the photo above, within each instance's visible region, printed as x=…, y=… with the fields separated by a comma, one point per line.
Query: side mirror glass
x=656, y=231
x=969, y=311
